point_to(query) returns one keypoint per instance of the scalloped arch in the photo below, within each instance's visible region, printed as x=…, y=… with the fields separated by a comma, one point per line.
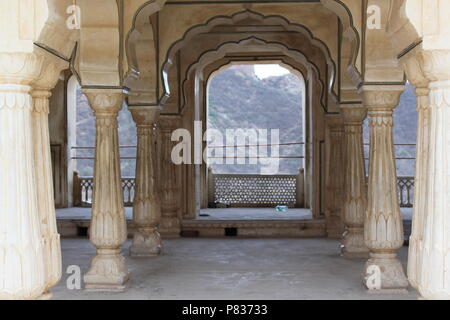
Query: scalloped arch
x=249, y=44
x=234, y=19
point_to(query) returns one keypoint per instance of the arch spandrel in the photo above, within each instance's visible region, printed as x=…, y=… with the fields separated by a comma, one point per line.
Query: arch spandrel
x=137, y=15
x=419, y=23
x=380, y=58
x=190, y=35
x=173, y=36
x=350, y=16
x=299, y=42
x=55, y=34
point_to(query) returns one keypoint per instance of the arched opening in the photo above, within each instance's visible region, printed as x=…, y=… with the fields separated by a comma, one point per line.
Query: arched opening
x=194, y=86
x=255, y=142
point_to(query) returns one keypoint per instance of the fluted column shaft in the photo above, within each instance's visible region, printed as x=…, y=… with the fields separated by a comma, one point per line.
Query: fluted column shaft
x=420, y=180
x=355, y=190
x=22, y=270
x=434, y=270
x=146, y=204
x=170, y=180
x=383, y=229
x=108, y=230
x=335, y=177
x=43, y=167
x=45, y=196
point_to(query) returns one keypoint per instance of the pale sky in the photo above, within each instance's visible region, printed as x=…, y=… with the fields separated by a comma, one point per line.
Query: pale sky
x=267, y=70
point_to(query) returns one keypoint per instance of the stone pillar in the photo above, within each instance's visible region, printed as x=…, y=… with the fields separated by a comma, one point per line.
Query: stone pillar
x=355, y=190
x=22, y=268
x=417, y=78
x=146, y=204
x=170, y=180
x=334, y=177
x=43, y=168
x=434, y=280
x=108, y=229
x=420, y=180
x=383, y=228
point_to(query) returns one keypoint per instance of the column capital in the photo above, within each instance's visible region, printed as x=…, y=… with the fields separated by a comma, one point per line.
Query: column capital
x=169, y=123
x=353, y=114
x=436, y=64
x=105, y=101
x=20, y=68
x=49, y=74
x=334, y=121
x=145, y=115
x=381, y=97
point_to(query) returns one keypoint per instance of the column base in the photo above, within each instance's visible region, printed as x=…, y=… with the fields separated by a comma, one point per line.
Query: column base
x=353, y=244
x=427, y=294
x=170, y=227
x=45, y=296
x=355, y=255
x=392, y=277
x=412, y=270
x=146, y=243
x=171, y=233
x=387, y=291
x=335, y=228
x=108, y=272
x=334, y=234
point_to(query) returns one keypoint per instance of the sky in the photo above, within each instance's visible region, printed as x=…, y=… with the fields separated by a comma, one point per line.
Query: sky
x=268, y=70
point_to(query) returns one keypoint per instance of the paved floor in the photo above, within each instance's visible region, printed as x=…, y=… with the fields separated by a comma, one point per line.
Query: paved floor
x=233, y=269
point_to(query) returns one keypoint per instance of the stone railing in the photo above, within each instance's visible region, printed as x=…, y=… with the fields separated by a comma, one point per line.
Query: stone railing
x=252, y=190
x=239, y=190
x=406, y=191
x=83, y=188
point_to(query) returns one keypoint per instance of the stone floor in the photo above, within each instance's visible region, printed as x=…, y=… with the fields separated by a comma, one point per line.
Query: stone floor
x=233, y=269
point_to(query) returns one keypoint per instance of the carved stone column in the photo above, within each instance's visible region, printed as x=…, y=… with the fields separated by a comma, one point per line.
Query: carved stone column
x=170, y=180
x=434, y=280
x=43, y=167
x=22, y=268
x=355, y=190
x=108, y=229
x=417, y=78
x=383, y=228
x=335, y=177
x=146, y=204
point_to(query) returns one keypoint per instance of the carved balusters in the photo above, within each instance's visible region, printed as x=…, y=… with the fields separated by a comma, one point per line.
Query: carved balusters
x=383, y=229
x=108, y=226
x=147, y=204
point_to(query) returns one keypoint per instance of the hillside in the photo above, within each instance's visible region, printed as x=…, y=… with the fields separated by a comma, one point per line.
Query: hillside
x=239, y=99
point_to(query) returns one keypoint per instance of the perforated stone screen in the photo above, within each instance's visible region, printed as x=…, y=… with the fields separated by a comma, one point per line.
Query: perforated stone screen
x=255, y=190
